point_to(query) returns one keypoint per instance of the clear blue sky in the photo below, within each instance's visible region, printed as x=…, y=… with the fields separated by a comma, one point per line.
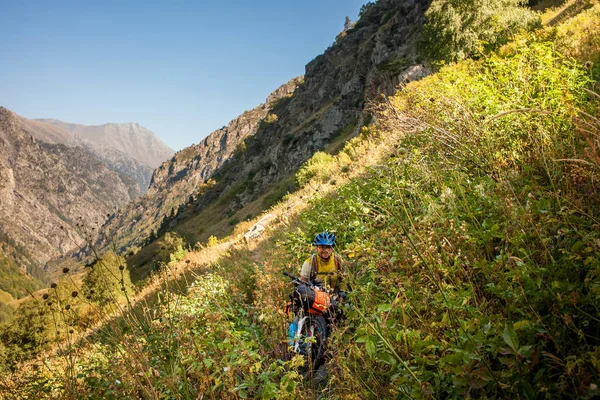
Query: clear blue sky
x=180, y=68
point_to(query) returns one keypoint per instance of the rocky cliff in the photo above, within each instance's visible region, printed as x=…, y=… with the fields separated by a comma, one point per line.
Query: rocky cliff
x=49, y=191
x=274, y=139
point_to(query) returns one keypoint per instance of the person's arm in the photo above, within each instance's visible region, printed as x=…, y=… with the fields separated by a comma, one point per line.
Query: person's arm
x=305, y=271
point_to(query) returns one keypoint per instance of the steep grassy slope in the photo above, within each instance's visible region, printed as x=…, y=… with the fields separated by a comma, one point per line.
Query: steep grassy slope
x=469, y=216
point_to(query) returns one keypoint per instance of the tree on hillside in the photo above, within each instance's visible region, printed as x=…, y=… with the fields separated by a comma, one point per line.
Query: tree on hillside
x=172, y=247
x=108, y=280
x=460, y=29
x=27, y=333
x=347, y=23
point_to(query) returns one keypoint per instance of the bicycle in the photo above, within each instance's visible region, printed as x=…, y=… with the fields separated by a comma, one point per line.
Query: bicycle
x=315, y=310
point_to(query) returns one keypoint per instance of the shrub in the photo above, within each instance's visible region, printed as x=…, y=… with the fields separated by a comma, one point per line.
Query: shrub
x=107, y=279
x=459, y=29
x=213, y=241
x=318, y=166
x=172, y=247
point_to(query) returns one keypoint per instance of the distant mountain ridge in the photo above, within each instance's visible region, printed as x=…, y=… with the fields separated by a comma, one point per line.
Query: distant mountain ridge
x=129, y=138
x=127, y=148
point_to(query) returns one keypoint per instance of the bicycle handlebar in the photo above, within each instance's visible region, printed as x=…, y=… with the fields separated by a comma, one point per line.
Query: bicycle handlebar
x=298, y=281
x=290, y=275
x=295, y=279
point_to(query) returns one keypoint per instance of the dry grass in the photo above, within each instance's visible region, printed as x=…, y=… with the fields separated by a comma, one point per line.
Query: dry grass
x=557, y=11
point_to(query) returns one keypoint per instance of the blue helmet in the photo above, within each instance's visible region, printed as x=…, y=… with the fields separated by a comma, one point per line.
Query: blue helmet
x=324, y=239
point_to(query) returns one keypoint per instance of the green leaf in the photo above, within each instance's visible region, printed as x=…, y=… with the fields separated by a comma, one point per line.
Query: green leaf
x=362, y=339
x=386, y=358
x=371, y=347
x=510, y=338
x=486, y=327
x=577, y=246
x=384, y=308
x=269, y=391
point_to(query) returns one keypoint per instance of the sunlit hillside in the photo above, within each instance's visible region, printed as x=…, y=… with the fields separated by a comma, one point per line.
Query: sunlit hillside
x=468, y=213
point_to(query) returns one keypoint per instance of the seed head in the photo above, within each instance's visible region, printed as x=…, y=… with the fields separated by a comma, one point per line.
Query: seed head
x=65, y=270
x=68, y=307
x=74, y=294
x=121, y=267
x=45, y=296
x=187, y=261
x=53, y=285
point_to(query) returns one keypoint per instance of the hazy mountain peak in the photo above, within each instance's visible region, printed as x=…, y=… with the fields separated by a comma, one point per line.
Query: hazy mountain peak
x=129, y=137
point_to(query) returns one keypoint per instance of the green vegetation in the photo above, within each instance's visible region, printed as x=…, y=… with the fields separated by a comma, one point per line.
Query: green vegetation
x=460, y=29
x=278, y=191
x=108, y=280
x=318, y=167
x=269, y=119
x=15, y=260
x=471, y=232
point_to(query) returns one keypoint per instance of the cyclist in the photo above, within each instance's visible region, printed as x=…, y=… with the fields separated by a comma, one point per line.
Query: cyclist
x=325, y=266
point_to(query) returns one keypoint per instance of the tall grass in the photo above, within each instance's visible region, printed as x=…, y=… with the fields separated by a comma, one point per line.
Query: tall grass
x=469, y=221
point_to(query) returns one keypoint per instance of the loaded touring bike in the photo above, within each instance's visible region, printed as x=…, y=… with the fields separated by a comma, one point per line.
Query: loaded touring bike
x=315, y=311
